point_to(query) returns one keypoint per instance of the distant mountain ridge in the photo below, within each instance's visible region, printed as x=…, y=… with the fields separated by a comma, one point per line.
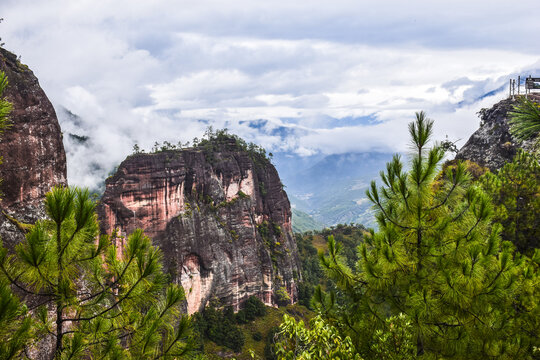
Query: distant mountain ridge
x=331, y=189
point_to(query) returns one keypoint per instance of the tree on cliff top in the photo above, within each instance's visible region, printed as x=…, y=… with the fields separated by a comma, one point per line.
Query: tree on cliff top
x=438, y=260
x=96, y=300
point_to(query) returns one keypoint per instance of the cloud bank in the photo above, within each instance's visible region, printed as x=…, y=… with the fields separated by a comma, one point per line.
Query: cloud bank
x=303, y=77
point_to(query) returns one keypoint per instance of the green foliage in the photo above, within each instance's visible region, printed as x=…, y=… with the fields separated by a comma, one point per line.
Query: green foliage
x=449, y=146
x=515, y=191
x=81, y=139
x=262, y=189
x=212, y=142
x=312, y=273
x=270, y=348
x=282, y=296
x=5, y=106
x=525, y=119
x=242, y=195
x=257, y=336
x=264, y=230
x=136, y=149
x=321, y=341
x=396, y=341
x=438, y=260
x=105, y=303
x=218, y=325
x=349, y=236
x=253, y=308
x=15, y=324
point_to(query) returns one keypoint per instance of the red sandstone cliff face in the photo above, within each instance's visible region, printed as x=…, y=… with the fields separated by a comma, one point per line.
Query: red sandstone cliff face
x=33, y=153
x=222, y=221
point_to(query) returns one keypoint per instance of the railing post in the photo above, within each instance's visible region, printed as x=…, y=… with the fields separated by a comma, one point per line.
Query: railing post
x=510, y=89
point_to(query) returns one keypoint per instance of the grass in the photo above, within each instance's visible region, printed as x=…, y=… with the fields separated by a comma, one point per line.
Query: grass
x=320, y=242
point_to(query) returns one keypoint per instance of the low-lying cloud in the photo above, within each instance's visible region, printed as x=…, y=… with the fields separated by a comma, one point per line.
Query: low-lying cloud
x=318, y=77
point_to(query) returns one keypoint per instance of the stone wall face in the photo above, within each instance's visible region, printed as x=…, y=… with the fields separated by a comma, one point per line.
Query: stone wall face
x=222, y=221
x=33, y=161
x=32, y=150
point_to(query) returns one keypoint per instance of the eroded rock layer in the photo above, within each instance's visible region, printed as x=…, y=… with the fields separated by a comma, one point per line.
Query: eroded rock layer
x=32, y=150
x=221, y=219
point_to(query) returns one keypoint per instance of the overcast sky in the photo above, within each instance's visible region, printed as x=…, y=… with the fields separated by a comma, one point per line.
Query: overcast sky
x=302, y=76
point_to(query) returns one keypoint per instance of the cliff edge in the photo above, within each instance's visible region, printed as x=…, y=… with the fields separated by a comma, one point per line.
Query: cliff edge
x=220, y=215
x=492, y=145
x=32, y=150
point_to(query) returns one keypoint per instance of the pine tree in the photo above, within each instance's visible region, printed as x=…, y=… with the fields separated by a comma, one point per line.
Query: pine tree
x=525, y=121
x=515, y=190
x=437, y=259
x=96, y=300
x=15, y=324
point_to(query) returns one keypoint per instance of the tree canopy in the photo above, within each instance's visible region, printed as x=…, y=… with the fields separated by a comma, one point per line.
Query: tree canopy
x=93, y=297
x=437, y=259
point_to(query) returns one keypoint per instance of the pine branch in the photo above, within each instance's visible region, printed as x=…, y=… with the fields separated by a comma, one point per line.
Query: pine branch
x=114, y=283
x=20, y=287
x=109, y=308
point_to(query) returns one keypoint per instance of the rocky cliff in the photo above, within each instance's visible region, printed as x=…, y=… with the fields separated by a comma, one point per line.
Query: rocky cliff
x=33, y=154
x=220, y=216
x=492, y=145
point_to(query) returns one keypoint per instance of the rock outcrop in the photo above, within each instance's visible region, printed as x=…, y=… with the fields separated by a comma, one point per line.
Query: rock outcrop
x=221, y=218
x=492, y=145
x=32, y=150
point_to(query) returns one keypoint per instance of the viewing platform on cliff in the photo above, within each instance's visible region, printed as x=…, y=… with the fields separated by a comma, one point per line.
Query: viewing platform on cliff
x=531, y=87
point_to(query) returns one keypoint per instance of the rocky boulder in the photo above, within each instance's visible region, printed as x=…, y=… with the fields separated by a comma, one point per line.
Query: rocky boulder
x=492, y=145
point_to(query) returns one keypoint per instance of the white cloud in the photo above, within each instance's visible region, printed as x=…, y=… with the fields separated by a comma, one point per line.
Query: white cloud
x=328, y=77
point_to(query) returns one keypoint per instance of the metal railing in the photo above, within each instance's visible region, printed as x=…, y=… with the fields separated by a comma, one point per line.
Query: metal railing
x=531, y=84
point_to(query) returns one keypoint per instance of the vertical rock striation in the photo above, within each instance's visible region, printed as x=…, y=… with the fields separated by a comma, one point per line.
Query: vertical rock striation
x=32, y=150
x=221, y=218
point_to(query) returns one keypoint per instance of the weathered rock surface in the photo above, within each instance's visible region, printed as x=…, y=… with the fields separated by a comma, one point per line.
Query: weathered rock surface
x=33, y=153
x=221, y=219
x=492, y=145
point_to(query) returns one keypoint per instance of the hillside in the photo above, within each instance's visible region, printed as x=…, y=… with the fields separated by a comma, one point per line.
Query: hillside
x=331, y=189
